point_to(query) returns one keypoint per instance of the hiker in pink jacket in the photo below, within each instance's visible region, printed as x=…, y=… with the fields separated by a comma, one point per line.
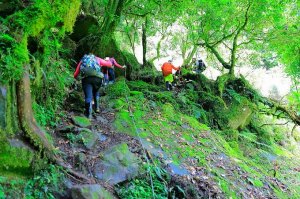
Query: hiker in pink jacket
x=89, y=68
x=109, y=74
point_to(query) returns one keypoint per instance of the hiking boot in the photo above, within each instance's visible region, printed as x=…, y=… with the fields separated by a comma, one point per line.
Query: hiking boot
x=88, y=110
x=97, y=105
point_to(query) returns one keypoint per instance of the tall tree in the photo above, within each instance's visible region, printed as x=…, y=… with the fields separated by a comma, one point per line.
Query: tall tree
x=227, y=28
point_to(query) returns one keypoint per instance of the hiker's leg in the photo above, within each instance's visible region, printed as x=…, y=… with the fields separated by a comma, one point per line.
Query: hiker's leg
x=106, y=78
x=96, y=93
x=111, y=73
x=168, y=85
x=171, y=80
x=88, y=96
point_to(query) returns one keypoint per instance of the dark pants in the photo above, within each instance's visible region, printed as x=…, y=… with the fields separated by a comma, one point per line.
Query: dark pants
x=169, y=86
x=91, y=86
x=111, y=74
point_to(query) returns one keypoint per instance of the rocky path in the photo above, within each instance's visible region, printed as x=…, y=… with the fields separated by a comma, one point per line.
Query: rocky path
x=95, y=149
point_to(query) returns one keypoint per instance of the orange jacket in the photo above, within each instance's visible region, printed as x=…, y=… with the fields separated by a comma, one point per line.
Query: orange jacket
x=167, y=68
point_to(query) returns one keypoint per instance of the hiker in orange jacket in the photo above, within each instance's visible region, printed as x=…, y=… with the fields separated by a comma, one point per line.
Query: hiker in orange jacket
x=166, y=69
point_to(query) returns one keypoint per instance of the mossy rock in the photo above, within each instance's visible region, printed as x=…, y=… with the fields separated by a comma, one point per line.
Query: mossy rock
x=83, y=26
x=237, y=116
x=117, y=165
x=162, y=97
x=221, y=83
x=137, y=94
x=16, y=159
x=168, y=112
x=230, y=134
x=90, y=191
x=118, y=90
x=142, y=86
x=201, y=82
x=81, y=121
x=211, y=102
x=88, y=137
x=118, y=103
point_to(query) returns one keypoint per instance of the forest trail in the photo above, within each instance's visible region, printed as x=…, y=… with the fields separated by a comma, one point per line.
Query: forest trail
x=89, y=147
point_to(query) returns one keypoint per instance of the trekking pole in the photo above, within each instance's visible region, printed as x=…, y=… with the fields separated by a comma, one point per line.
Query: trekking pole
x=125, y=72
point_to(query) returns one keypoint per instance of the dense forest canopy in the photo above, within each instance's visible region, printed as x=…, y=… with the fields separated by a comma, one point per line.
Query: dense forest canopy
x=41, y=41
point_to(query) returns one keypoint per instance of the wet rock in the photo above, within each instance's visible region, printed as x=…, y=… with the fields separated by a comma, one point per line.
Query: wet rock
x=102, y=120
x=81, y=121
x=185, y=126
x=93, y=191
x=156, y=151
x=117, y=165
x=66, y=129
x=89, y=138
x=80, y=157
x=177, y=170
x=101, y=137
x=17, y=143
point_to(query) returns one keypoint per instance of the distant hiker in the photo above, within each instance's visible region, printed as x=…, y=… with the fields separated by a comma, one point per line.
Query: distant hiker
x=198, y=65
x=167, y=73
x=89, y=69
x=110, y=72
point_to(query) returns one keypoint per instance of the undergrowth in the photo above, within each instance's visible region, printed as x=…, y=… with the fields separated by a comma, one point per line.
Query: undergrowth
x=46, y=183
x=161, y=121
x=142, y=187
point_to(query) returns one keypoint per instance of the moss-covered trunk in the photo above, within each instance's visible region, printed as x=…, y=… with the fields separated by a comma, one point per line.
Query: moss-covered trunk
x=25, y=114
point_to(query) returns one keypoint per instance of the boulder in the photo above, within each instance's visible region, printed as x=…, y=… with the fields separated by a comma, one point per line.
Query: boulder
x=90, y=191
x=81, y=121
x=89, y=138
x=117, y=165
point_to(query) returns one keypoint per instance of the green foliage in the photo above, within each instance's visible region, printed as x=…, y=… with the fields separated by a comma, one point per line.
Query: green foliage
x=119, y=89
x=16, y=160
x=43, y=115
x=142, y=86
x=74, y=138
x=294, y=100
x=45, y=184
x=141, y=187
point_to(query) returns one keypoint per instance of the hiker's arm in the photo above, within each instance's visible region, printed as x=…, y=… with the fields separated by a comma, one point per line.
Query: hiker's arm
x=176, y=68
x=116, y=63
x=76, y=73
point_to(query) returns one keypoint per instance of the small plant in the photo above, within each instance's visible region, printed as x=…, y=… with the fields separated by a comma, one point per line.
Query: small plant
x=74, y=138
x=45, y=184
x=142, y=187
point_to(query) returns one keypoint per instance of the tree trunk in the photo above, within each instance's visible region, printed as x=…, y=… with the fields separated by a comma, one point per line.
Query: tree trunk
x=31, y=128
x=190, y=56
x=144, y=41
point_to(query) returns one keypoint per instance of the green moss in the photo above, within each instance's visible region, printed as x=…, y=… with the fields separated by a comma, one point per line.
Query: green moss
x=118, y=90
x=15, y=159
x=230, y=134
x=169, y=113
x=195, y=124
x=142, y=86
x=237, y=115
x=88, y=138
x=226, y=188
x=11, y=110
x=81, y=121
x=221, y=83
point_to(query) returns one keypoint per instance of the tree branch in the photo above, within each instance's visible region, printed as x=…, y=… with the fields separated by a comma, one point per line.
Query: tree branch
x=235, y=39
x=291, y=114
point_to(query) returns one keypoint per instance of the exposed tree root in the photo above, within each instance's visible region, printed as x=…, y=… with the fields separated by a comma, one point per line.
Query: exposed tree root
x=33, y=131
